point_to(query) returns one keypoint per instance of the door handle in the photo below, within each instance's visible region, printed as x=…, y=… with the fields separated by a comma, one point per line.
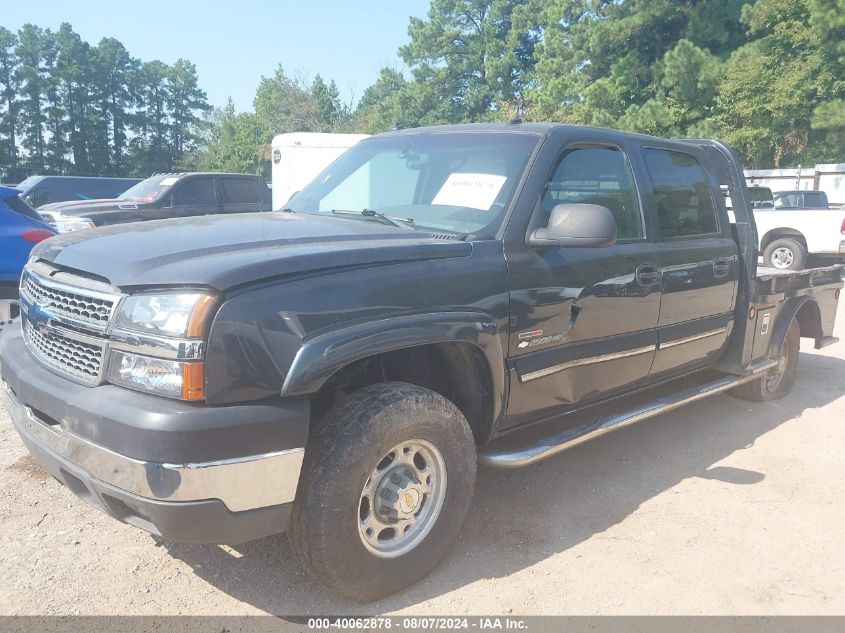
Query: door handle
x=721, y=267
x=648, y=275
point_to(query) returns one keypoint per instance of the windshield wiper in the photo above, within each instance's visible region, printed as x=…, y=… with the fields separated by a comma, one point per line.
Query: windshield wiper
x=402, y=223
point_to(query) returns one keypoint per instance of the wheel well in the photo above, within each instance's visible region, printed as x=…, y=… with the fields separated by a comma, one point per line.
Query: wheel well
x=810, y=321
x=776, y=234
x=458, y=371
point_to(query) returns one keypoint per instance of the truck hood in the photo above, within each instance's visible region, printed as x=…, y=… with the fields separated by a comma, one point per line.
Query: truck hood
x=89, y=208
x=223, y=251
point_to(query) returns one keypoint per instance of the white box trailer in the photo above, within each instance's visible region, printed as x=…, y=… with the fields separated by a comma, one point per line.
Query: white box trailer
x=299, y=156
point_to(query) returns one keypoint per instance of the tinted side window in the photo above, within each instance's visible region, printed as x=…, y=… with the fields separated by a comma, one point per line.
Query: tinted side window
x=195, y=191
x=597, y=175
x=788, y=201
x=37, y=196
x=682, y=197
x=240, y=191
x=815, y=199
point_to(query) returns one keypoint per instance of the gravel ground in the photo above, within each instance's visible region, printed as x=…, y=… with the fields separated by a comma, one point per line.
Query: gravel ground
x=722, y=507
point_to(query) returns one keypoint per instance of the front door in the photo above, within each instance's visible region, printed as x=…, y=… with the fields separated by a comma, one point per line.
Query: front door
x=699, y=262
x=191, y=197
x=583, y=320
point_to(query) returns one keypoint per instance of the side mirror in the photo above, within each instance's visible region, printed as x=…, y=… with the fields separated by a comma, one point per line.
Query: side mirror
x=577, y=225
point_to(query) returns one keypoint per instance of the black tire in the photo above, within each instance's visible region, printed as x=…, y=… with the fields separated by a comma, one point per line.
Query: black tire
x=350, y=441
x=795, y=249
x=778, y=381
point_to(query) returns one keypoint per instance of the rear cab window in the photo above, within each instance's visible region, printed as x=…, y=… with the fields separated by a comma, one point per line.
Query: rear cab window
x=683, y=199
x=240, y=191
x=815, y=199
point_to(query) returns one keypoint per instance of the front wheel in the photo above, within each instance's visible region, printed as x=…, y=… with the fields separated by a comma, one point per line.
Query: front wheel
x=778, y=381
x=386, y=484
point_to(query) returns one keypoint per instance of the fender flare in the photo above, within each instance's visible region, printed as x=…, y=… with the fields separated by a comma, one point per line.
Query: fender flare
x=781, y=232
x=785, y=318
x=320, y=357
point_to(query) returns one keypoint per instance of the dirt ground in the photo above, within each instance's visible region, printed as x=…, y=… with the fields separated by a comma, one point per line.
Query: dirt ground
x=723, y=507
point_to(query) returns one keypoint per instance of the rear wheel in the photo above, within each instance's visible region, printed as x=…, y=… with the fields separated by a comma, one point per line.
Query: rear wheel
x=785, y=254
x=778, y=381
x=10, y=309
x=385, y=486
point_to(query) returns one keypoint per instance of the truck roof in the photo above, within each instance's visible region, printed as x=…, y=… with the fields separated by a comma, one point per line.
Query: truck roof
x=539, y=129
x=182, y=174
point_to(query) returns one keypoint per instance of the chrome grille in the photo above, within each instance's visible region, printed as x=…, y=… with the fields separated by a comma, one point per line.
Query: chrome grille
x=64, y=303
x=79, y=359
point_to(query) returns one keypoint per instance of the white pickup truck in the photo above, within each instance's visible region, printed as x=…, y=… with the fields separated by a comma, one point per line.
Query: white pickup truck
x=789, y=233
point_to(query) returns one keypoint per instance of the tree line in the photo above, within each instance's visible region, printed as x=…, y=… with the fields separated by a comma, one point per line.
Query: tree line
x=767, y=76
x=67, y=107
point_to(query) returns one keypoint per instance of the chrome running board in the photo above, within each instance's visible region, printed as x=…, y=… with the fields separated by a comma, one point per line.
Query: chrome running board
x=557, y=443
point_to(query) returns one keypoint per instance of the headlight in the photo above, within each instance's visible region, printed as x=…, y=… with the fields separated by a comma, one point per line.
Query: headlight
x=178, y=314
x=67, y=225
x=172, y=322
x=170, y=378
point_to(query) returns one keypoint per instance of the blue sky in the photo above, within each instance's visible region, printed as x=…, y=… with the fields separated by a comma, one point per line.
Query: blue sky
x=234, y=43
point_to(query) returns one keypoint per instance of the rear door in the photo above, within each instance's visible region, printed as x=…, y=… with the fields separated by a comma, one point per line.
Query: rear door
x=583, y=320
x=699, y=259
x=240, y=194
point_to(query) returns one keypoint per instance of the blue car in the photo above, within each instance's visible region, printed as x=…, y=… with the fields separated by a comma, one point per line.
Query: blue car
x=21, y=228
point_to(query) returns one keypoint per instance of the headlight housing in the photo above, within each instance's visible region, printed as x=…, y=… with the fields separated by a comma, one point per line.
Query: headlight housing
x=178, y=314
x=67, y=224
x=157, y=344
x=169, y=378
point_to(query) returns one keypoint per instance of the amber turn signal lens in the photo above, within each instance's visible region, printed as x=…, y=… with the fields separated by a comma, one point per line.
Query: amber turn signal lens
x=193, y=381
x=752, y=312
x=199, y=316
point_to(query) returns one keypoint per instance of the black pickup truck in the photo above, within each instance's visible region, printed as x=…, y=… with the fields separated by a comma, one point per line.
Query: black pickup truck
x=436, y=297
x=163, y=196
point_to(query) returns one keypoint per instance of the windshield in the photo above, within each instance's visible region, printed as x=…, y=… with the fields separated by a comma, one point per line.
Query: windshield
x=460, y=183
x=149, y=189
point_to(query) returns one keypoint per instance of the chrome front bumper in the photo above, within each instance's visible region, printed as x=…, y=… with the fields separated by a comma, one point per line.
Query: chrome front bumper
x=246, y=483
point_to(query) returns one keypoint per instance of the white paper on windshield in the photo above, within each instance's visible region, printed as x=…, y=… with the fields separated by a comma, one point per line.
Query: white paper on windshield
x=168, y=181
x=476, y=191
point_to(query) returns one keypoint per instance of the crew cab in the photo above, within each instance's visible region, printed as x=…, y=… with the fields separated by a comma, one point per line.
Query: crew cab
x=163, y=196
x=435, y=298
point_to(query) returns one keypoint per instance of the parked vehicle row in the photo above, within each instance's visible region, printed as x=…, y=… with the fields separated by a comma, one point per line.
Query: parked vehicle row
x=434, y=298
